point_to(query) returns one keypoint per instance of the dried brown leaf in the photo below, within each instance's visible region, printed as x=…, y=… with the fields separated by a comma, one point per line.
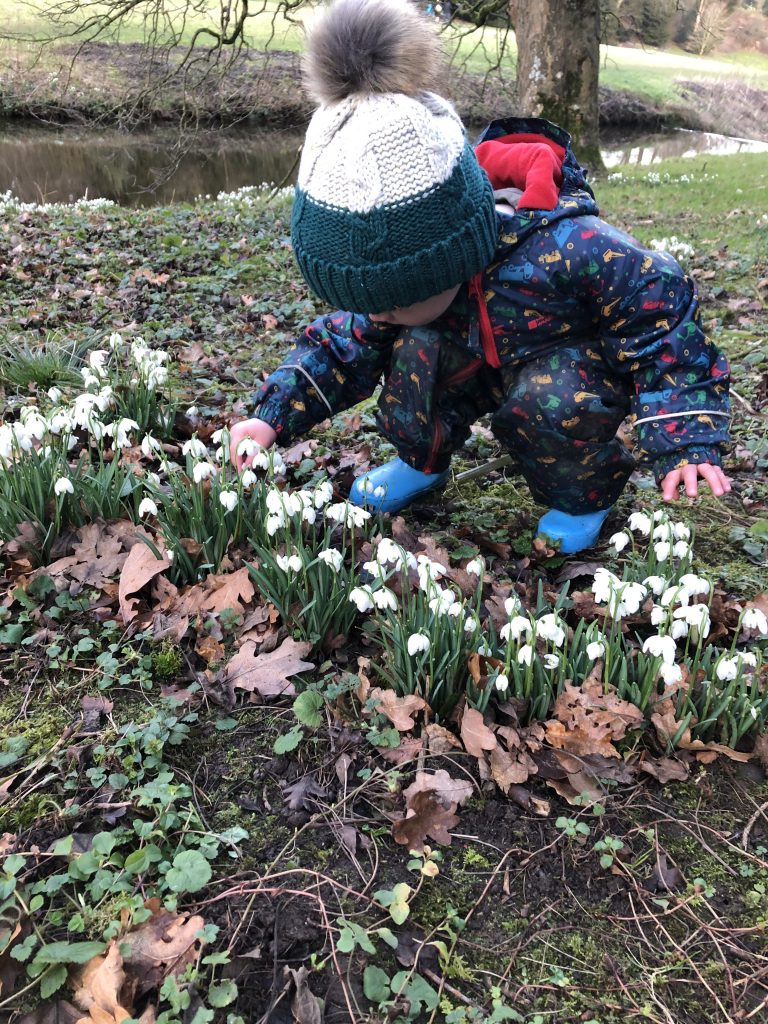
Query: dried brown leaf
x=98, y=987
x=588, y=718
x=164, y=944
x=230, y=590
x=427, y=816
x=267, y=674
x=475, y=734
x=399, y=710
x=441, y=740
x=449, y=790
x=139, y=568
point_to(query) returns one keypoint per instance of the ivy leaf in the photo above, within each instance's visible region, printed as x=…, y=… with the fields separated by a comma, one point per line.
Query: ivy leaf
x=307, y=707
x=189, y=873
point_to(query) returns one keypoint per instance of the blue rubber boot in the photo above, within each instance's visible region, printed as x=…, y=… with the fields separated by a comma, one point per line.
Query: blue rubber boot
x=394, y=485
x=570, y=534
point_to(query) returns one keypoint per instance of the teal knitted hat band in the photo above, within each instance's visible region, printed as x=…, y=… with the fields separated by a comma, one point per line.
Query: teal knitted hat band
x=397, y=253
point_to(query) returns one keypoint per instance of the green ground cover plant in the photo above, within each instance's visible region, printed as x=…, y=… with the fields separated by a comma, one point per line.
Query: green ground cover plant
x=265, y=757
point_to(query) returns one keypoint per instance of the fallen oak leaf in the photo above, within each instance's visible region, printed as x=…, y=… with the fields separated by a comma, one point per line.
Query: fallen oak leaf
x=229, y=591
x=162, y=945
x=427, y=816
x=449, y=790
x=141, y=566
x=399, y=710
x=475, y=734
x=98, y=989
x=267, y=674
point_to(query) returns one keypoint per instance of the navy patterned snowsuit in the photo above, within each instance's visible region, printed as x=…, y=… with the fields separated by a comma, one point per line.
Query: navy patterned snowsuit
x=572, y=327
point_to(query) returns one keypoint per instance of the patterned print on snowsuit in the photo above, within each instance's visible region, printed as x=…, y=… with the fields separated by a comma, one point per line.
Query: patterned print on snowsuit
x=573, y=326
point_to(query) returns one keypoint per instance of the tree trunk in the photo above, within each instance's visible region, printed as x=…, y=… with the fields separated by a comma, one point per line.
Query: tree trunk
x=558, y=61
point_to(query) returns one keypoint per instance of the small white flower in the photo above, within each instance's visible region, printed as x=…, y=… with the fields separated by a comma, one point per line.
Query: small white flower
x=275, y=523
x=512, y=605
x=681, y=549
x=475, y=567
x=228, y=499
x=658, y=615
x=375, y=569
x=674, y=595
x=515, y=628
x=194, y=447
x=484, y=649
x=663, y=647
x=115, y=341
x=619, y=541
x=549, y=627
x=727, y=668
x=323, y=494
x=525, y=654
x=664, y=531
x=203, y=471
x=595, y=650
x=502, y=682
x=97, y=362
x=362, y=598
x=471, y=624
x=604, y=585
x=671, y=674
x=217, y=435
x=659, y=514
x=551, y=661
x=681, y=531
x=640, y=522
x=248, y=479
x=753, y=618
x=289, y=563
x=54, y=394
x=247, y=446
x=308, y=514
x=662, y=550
x=656, y=584
x=747, y=658
x=697, y=617
x=63, y=486
x=150, y=446
x=678, y=629
x=384, y=598
x=147, y=507
x=442, y=602
x=417, y=642
x=694, y=584
x=331, y=557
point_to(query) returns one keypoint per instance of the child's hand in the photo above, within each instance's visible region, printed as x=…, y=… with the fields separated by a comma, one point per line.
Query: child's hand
x=718, y=482
x=255, y=430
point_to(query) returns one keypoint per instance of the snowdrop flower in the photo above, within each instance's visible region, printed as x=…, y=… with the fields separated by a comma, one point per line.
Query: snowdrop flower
x=63, y=486
x=349, y=515
x=595, y=650
x=194, y=447
x=678, y=629
x=551, y=661
x=753, y=618
x=247, y=446
x=640, y=522
x=442, y=602
x=681, y=531
x=629, y=597
x=375, y=569
x=662, y=550
x=674, y=595
x=97, y=361
x=248, y=479
x=525, y=654
x=502, y=682
x=512, y=605
x=694, y=584
x=147, y=507
x=656, y=584
x=663, y=647
x=384, y=598
x=664, y=531
x=331, y=557
x=362, y=598
x=697, y=617
x=89, y=377
x=323, y=494
x=471, y=624
x=417, y=642
x=290, y=563
x=390, y=553
x=515, y=628
x=727, y=668
x=275, y=502
x=217, y=435
x=274, y=523
x=681, y=549
x=660, y=513
x=150, y=446
x=549, y=627
x=61, y=422
x=671, y=674
x=120, y=430
x=747, y=658
x=604, y=585
x=475, y=567
x=658, y=615
x=484, y=649
x=228, y=499
x=34, y=423
x=153, y=479
x=115, y=342
x=432, y=570
x=619, y=541
x=203, y=471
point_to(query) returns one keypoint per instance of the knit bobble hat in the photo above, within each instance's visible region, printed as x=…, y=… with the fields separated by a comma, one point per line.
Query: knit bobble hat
x=391, y=205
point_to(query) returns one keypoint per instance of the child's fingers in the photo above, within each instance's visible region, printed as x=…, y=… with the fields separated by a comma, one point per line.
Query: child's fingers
x=669, y=485
x=691, y=480
x=718, y=482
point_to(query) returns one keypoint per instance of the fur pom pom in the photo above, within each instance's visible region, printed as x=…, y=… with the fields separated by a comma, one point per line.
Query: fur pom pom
x=370, y=46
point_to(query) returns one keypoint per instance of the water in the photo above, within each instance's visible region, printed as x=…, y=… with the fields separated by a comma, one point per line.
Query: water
x=149, y=168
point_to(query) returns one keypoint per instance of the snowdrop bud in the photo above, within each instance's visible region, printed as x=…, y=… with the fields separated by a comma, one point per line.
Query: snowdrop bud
x=228, y=499
x=662, y=550
x=471, y=624
x=619, y=541
x=525, y=654
x=115, y=341
x=502, y=683
x=203, y=471
x=147, y=507
x=484, y=649
x=63, y=486
x=362, y=598
x=512, y=605
x=753, y=618
x=475, y=567
x=663, y=647
x=640, y=522
x=331, y=557
x=295, y=564
x=153, y=479
x=417, y=642
x=595, y=650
